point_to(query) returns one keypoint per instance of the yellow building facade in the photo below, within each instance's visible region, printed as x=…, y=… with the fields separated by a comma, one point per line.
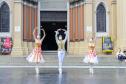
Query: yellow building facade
x=96, y=18
x=21, y=18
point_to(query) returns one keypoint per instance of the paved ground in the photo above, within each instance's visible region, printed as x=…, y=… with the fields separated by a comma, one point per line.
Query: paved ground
x=52, y=60
x=69, y=76
x=103, y=72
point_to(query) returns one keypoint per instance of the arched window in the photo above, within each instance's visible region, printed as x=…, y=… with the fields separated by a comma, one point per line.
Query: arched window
x=101, y=18
x=4, y=17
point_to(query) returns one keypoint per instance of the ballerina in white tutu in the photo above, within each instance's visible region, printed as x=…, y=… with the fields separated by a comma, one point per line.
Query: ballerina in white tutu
x=91, y=58
x=36, y=55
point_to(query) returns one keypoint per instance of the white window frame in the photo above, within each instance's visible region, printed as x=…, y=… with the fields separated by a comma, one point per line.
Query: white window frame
x=101, y=34
x=4, y=34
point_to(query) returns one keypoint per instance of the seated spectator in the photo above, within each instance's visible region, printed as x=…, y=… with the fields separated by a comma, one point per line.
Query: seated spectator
x=120, y=55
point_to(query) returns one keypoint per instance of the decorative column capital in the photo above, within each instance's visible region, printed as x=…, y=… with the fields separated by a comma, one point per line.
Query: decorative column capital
x=113, y=1
x=88, y=1
x=17, y=1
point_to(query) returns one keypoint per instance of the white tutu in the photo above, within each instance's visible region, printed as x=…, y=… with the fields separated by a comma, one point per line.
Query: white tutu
x=88, y=59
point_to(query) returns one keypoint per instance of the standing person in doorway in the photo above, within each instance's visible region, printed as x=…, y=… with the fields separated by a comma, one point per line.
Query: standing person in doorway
x=61, y=47
x=36, y=55
x=91, y=58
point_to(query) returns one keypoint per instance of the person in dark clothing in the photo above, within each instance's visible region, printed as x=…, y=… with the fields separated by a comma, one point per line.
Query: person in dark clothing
x=120, y=55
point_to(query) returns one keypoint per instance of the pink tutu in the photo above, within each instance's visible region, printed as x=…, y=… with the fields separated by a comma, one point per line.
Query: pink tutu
x=91, y=58
x=88, y=59
x=36, y=56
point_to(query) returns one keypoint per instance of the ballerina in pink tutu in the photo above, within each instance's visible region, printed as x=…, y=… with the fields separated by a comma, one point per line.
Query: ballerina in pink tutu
x=36, y=55
x=91, y=58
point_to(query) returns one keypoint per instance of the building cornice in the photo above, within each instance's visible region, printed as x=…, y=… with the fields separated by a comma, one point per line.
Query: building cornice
x=31, y=2
x=88, y=2
x=17, y=1
x=114, y=2
x=74, y=2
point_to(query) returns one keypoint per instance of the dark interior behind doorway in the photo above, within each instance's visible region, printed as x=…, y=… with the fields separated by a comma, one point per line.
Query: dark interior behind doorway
x=49, y=43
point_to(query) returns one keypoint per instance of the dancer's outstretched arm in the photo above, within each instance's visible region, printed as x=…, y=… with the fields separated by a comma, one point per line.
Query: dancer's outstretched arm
x=64, y=30
x=43, y=35
x=66, y=34
x=34, y=35
x=56, y=36
x=59, y=29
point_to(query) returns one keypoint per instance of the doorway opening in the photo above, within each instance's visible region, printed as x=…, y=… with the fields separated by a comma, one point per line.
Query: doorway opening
x=49, y=43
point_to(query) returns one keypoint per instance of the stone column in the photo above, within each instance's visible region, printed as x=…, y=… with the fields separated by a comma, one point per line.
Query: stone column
x=88, y=18
x=17, y=30
x=39, y=17
x=113, y=26
x=121, y=24
x=88, y=25
x=68, y=26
